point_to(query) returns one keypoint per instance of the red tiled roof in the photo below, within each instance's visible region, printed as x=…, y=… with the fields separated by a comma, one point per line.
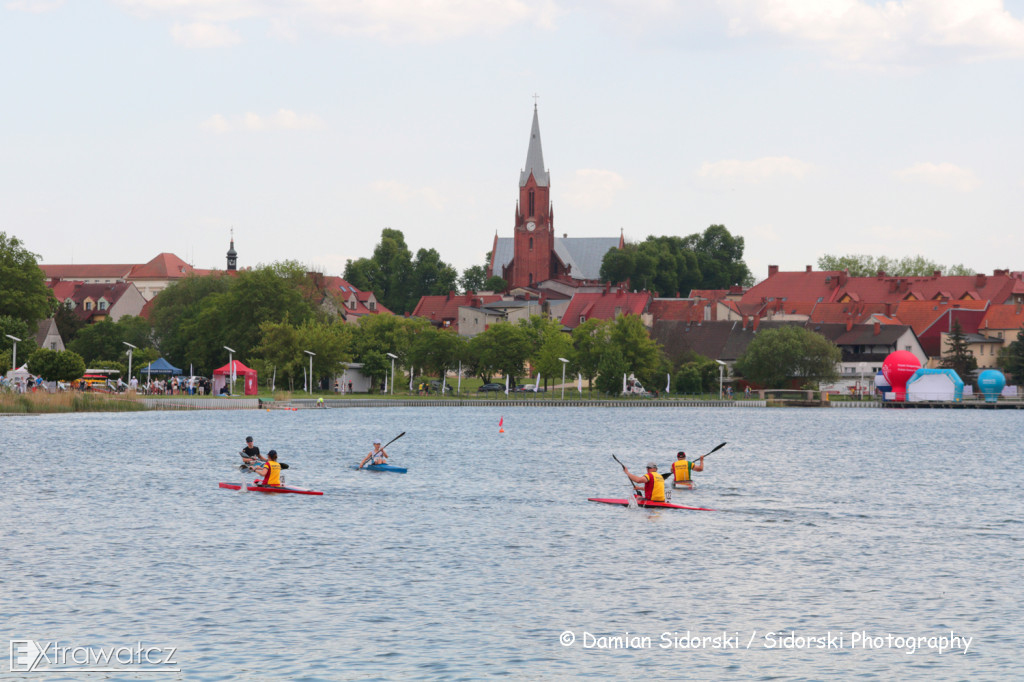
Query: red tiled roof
x=439, y=309
x=605, y=306
x=80, y=272
x=164, y=266
x=1003, y=317
x=920, y=315
x=678, y=309
x=834, y=286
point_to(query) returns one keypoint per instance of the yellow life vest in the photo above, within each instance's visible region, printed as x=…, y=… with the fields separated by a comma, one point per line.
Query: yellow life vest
x=654, y=489
x=275, y=473
x=681, y=470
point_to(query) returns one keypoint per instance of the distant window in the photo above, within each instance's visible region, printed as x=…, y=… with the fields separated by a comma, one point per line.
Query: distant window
x=103, y=305
x=53, y=345
x=531, y=243
x=531, y=203
x=583, y=318
x=371, y=305
x=88, y=305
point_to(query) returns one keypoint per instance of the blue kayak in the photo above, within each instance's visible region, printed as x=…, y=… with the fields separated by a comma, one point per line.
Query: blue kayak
x=382, y=467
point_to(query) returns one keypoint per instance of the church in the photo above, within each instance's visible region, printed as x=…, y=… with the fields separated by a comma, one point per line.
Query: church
x=535, y=257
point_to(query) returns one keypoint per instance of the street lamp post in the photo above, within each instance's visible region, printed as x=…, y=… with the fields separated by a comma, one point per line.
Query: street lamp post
x=309, y=386
x=721, y=376
x=130, y=349
x=393, y=358
x=564, y=363
x=231, y=369
x=14, y=352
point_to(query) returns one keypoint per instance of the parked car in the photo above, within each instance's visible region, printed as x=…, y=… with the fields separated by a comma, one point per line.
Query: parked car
x=528, y=388
x=486, y=388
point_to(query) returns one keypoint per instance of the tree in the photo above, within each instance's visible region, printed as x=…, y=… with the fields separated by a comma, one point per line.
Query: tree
x=23, y=291
x=176, y=312
x=386, y=273
x=641, y=354
x=589, y=339
x=473, y=279
x=103, y=340
x=1011, y=358
x=56, y=365
x=68, y=323
x=501, y=348
x=670, y=264
x=777, y=356
x=430, y=277
x=958, y=357
x=495, y=283
x=611, y=368
x=19, y=330
x=862, y=265
x=435, y=350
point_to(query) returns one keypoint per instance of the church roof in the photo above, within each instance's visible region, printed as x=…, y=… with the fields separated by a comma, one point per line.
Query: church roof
x=534, y=157
x=583, y=254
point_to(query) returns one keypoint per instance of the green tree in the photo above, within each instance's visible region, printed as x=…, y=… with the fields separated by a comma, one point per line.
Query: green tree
x=332, y=343
x=862, y=265
x=1011, y=358
x=642, y=355
x=18, y=329
x=176, y=313
x=277, y=356
x=473, y=279
x=435, y=350
x=611, y=368
x=103, y=340
x=958, y=357
x=56, y=365
x=720, y=258
x=387, y=273
x=777, y=356
x=687, y=379
x=502, y=348
x=68, y=323
x=495, y=283
x=23, y=291
x=589, y=340
x=430, y=277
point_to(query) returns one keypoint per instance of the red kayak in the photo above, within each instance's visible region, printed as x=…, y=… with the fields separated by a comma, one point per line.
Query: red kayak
x=257, y=487
x=644, y=503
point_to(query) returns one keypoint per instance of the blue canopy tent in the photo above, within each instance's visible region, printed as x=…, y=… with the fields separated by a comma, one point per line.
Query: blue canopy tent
x=160, y=366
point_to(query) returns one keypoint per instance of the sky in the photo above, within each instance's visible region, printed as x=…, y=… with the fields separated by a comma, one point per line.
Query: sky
x=134, y=127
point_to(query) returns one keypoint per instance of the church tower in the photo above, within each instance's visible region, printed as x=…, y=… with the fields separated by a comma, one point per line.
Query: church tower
x=232, y=254
x=534, y=239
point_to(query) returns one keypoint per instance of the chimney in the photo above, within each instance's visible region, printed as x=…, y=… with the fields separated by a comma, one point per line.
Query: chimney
x=980, y=280
x=849, y=324
x=888, y=309
x=937, y=273
x=773, y=270
x=878, y=328
x=844, y=277
x=808, y=269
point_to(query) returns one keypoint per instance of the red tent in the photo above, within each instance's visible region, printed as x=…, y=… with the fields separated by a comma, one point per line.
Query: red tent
x=221, y=375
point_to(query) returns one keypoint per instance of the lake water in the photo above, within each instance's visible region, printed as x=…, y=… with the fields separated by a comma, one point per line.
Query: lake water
x=882, y=529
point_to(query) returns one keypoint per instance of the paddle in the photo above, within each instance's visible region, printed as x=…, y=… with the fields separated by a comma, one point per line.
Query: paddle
x=636, y=491
x=246, y=465
x=385, y=445
x=717, y=448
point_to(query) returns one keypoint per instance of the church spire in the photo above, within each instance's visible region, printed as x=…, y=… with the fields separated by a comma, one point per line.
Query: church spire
x=534, y=157
x=232, y=254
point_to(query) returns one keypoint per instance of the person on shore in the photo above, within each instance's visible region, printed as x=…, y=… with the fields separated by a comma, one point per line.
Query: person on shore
x=251, y=453
x=271, y=470
x=654, y=484
x=376, y=456
x=681, y=469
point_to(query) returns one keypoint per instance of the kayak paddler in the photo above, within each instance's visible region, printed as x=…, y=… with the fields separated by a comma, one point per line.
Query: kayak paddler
x=681, y=468
x=654, y=484
x=250, y=453
x=271, y=470
x=376, y=456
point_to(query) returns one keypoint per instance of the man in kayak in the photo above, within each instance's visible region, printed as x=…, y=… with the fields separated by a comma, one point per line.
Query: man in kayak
x=271, y=470
x=376, y=456
x=682, y=467
x=654, y=484
x=251, y=454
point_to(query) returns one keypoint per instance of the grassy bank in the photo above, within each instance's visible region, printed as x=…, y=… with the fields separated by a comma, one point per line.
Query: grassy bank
x=70, y=401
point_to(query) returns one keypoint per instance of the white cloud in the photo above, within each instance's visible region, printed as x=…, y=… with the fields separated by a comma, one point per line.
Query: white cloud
x=858, y=30
x=284, y=119
x=200, y=34
x=404, y=194
x=421, y=21
x=758, y=170
x=944, y=175
x=33, y=6
x=593, y=188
